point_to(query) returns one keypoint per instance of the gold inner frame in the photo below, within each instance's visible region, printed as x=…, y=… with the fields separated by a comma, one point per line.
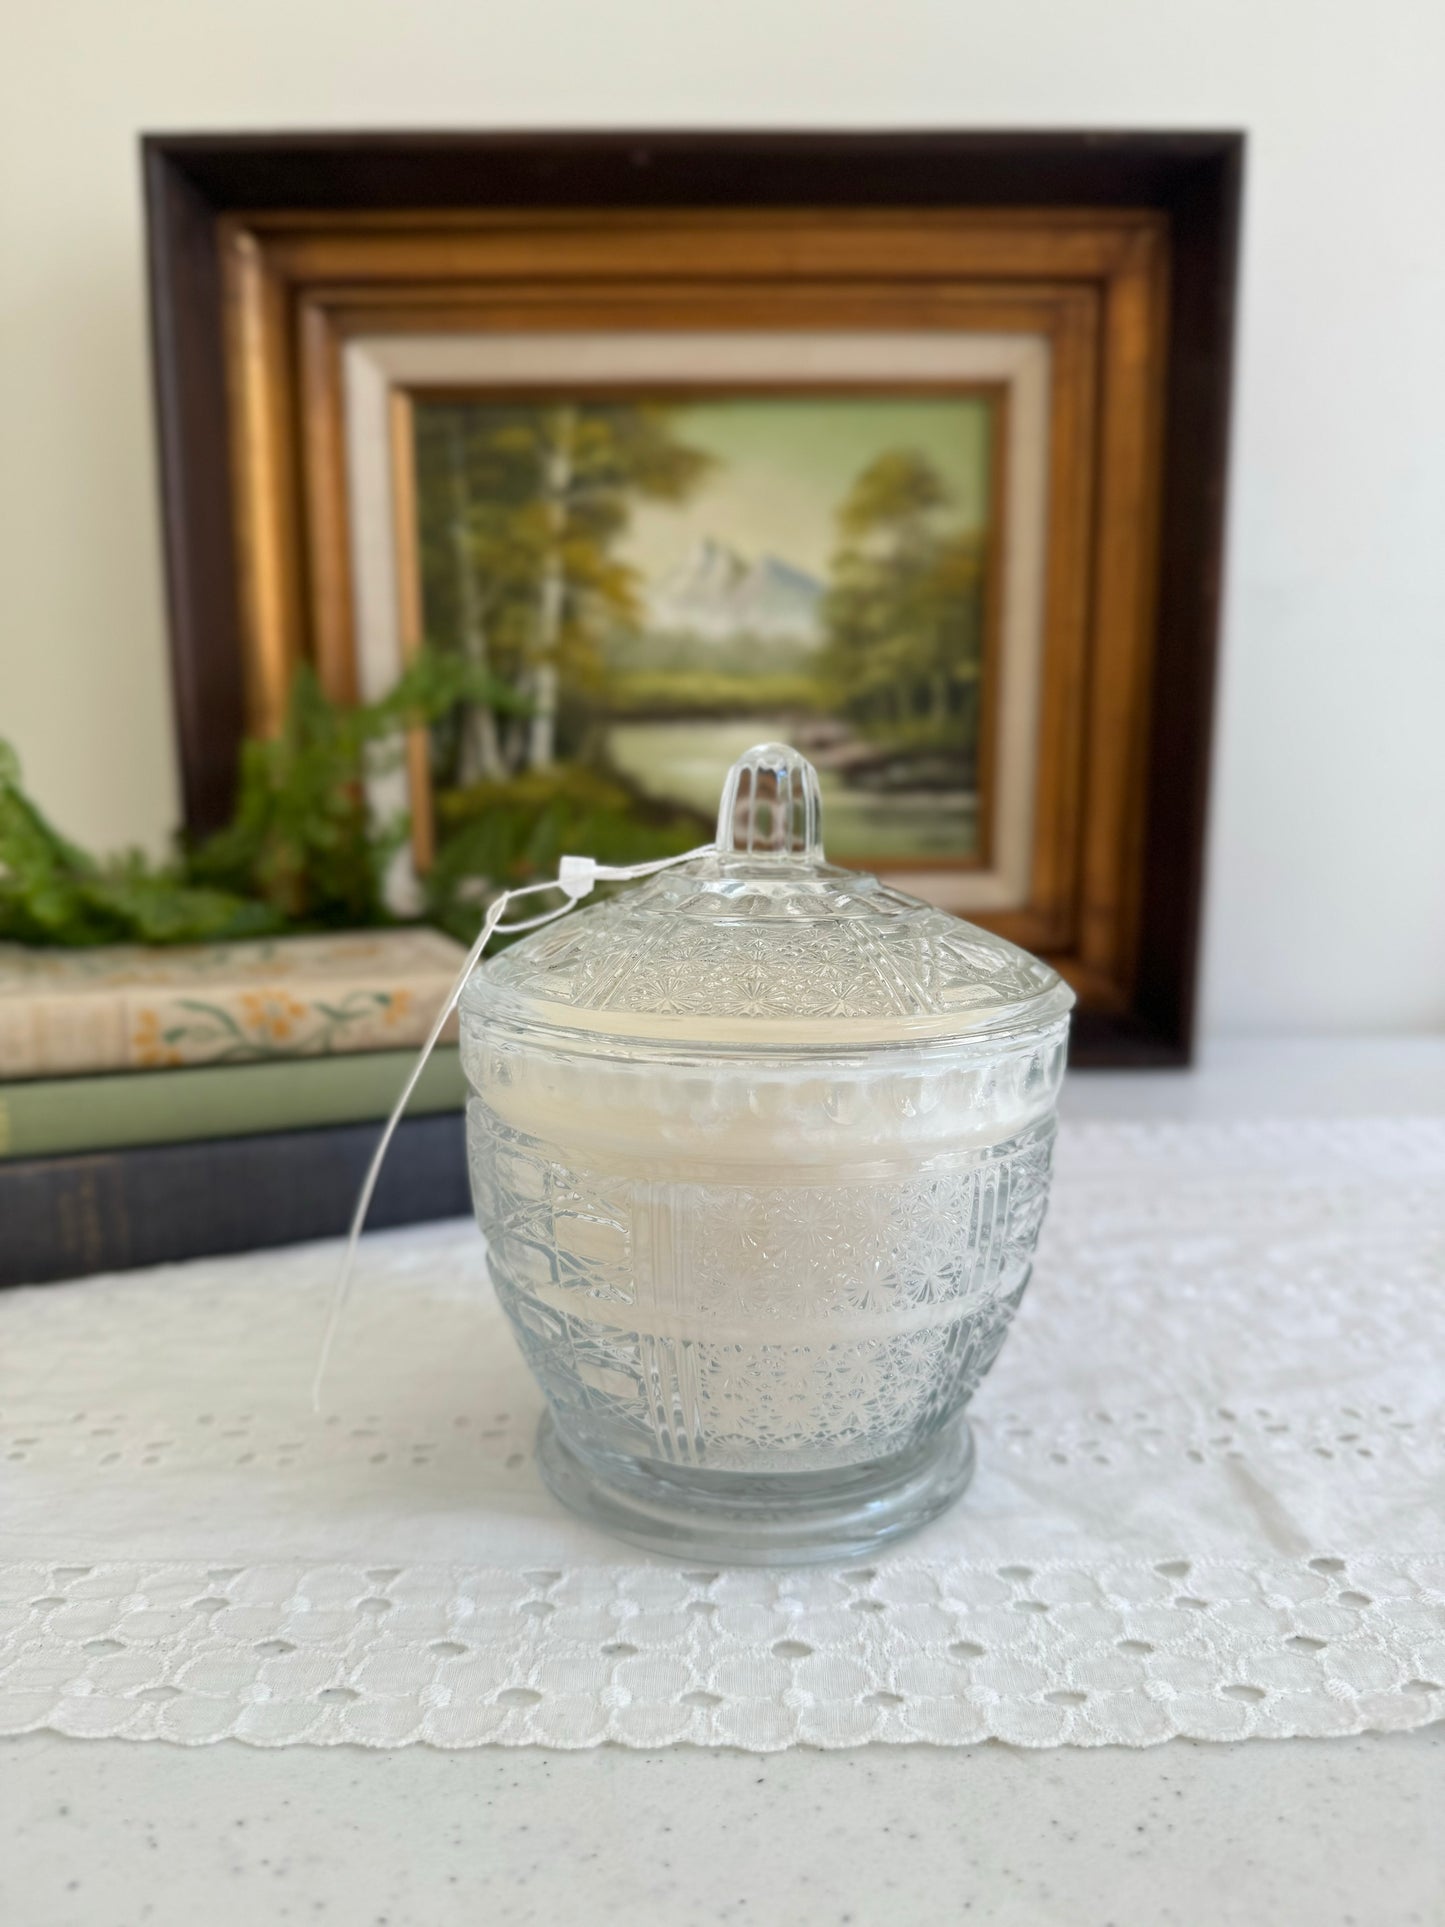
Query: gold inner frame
x=1093, y=281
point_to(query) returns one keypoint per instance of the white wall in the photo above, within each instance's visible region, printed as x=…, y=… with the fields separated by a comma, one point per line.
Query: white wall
x=1326, y=906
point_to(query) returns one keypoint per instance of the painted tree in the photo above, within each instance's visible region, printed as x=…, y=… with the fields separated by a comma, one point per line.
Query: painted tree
x=523, y=507
x=480, y=749
x=476, y=572
x=903, y=611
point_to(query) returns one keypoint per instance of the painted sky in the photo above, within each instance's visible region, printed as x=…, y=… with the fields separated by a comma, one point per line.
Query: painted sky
x=783, y=467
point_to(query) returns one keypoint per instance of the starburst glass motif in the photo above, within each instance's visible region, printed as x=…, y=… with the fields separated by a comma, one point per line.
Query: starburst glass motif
x=673, y=949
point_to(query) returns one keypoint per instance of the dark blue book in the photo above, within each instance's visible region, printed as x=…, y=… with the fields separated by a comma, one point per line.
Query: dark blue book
x=63, y=1217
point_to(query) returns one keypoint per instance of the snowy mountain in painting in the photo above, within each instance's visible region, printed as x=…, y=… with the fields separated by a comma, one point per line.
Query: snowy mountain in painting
x=717, y=594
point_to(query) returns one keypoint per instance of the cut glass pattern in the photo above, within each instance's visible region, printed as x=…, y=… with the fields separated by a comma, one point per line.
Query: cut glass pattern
x=791, y=1327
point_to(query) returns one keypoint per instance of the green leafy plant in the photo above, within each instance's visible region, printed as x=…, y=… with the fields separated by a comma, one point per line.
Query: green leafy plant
x=518, y=829
x=304, y=850
x=304, y=837
x=53, y=893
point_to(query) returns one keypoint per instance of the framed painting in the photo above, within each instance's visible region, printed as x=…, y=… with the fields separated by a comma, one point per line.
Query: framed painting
x=770, y=537
x=908, y=450
x=732, y=566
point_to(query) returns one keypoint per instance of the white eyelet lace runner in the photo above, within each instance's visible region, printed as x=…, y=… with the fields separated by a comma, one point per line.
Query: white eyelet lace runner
x=1209, y=1499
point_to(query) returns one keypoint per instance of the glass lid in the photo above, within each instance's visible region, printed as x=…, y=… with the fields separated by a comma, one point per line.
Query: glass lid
x=764, y=942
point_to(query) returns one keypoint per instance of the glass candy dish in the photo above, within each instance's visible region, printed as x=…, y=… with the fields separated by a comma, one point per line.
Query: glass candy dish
x=761, y=1151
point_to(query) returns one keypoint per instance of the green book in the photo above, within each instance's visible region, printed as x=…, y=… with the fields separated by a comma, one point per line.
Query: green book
x=42, y=1117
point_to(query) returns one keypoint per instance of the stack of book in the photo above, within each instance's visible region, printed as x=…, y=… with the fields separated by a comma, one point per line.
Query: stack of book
x=167, y=1104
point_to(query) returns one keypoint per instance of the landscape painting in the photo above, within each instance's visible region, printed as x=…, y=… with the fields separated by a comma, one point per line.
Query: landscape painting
x=651, y=584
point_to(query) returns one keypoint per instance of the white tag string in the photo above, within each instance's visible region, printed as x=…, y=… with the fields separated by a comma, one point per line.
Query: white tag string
x=576, y=877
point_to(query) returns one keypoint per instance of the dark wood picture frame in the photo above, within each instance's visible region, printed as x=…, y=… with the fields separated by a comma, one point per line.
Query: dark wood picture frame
x=196, y=184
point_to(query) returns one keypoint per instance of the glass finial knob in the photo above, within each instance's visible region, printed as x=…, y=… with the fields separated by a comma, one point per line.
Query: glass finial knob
x=771, y=806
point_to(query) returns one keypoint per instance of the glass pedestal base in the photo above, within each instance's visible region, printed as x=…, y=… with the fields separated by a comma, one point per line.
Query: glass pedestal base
x=746, y=1519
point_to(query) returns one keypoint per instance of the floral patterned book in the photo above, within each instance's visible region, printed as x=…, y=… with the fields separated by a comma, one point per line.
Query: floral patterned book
x=63, y=1012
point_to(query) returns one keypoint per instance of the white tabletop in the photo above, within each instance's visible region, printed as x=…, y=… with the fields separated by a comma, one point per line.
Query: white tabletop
x=1333, y=1831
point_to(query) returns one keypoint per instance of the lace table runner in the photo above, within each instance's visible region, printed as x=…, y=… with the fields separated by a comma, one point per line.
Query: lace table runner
x=1209, y=1498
